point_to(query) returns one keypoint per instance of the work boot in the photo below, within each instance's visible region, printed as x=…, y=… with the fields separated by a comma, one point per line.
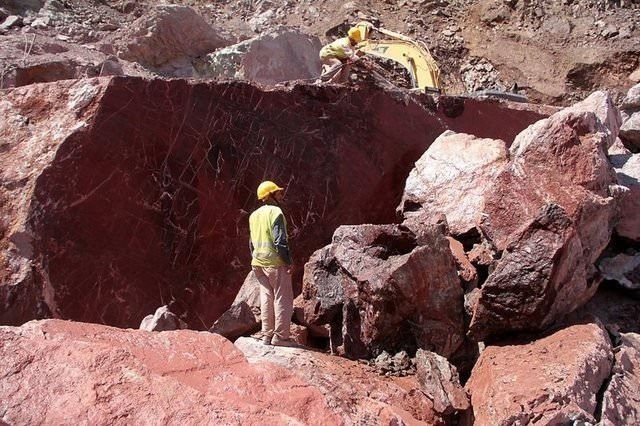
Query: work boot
x=263, y=337
x=276, y=341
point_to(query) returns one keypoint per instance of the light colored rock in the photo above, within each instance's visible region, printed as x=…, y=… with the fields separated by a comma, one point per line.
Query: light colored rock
x=267, y=59
x=621, y=400
x=162, y=320
x=452, y=177
x=11, y=22
x=632, y=99
x=167, y=35
x=627, y=167
x=630, y=131
x=440, y=382
x=623, y=268
x=552, y=380
x=257, y=23
x=41, y=22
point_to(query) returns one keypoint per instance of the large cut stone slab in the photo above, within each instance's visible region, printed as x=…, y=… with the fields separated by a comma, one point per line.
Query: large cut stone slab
x=119, y=195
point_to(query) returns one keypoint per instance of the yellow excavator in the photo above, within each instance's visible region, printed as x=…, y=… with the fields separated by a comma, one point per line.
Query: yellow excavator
x=413, y=55
x=414, y=58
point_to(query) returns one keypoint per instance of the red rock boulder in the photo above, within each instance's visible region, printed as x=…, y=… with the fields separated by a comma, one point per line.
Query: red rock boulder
x=58, y=372
x=552, y=380
x=379, y=290
x=551, y=214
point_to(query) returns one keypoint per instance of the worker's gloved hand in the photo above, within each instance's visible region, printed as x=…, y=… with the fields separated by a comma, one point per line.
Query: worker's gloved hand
x=360, y=53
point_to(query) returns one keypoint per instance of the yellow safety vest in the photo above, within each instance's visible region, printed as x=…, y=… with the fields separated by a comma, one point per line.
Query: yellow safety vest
x=336, y=49
x=261, y=223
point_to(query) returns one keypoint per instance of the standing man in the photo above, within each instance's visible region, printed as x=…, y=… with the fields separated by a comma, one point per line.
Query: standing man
x=271, y=263
x=337, y=53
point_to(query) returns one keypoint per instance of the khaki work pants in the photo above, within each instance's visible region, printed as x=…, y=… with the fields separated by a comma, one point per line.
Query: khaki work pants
x=329, y=63
x=276, y=300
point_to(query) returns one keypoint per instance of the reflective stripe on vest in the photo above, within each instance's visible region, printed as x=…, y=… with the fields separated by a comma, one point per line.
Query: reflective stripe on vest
x=261, y=223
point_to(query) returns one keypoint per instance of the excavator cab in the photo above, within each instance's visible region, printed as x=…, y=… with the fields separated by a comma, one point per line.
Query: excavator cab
x=412, y=55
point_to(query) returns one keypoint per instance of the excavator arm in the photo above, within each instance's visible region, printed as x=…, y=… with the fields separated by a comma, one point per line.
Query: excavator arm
x=414, y=56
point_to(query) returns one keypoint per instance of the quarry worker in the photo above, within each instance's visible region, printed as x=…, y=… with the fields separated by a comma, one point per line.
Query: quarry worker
x=337, y=54
x=271, y=264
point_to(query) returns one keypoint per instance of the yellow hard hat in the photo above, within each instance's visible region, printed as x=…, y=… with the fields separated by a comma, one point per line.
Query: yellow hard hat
x=266, y=188
x=355, y=34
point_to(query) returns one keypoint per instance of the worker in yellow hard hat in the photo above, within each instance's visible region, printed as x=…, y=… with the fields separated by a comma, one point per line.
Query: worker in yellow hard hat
x=271, y=264
x=338, y=54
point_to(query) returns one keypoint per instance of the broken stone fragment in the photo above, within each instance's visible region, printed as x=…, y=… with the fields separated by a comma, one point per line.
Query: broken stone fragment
x=630, y=132
x=11, y=21
x=621, y=399
x=243, y=317
x=632, y=100
x=627, y=167
x=622, y=268
x=440, y=382
x=162, y=320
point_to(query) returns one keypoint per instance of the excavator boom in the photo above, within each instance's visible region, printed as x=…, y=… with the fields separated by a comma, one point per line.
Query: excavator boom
x=414, y=56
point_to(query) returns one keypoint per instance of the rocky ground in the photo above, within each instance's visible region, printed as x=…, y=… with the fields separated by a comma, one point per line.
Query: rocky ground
x=439, y=241
x=554, y=52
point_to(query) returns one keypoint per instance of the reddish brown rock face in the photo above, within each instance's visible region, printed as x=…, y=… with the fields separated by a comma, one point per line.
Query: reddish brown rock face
x=539, y=279
x=122, y=194
x=551, y=213
x=353, y=390
x=58, y=372
x=553, y=380
x=379, y=290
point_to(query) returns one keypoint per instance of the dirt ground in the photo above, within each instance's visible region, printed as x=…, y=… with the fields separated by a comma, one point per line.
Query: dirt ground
x=553, y=51
x=556, y=52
